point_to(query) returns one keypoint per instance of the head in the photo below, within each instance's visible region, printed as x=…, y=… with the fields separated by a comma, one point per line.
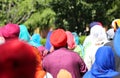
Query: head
x=98, y=33
x=110, y=34
x=17, y=60
x=58, y=38
x=24, y=34
x=76, y=38
x=95, y=23
x=70, y=40
x=10, y=31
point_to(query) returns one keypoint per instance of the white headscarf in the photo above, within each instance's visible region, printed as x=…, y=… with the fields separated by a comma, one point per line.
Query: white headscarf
x=98, y=34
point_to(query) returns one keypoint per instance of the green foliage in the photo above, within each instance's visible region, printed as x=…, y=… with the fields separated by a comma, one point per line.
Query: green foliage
x=79, y=13
x=43, y=19
x=72, y=15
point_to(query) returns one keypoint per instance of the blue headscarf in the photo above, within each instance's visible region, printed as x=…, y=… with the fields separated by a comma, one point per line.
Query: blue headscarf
x=35, y=40
x=76, y=37
x=104, y=65
x=48, y=43
x=24, y=34
x=117, y=42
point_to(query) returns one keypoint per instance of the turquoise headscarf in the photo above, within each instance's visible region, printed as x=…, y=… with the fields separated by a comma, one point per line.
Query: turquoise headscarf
x=104, y=65
x=76, y=37
x=24, y=34
x=35, y=40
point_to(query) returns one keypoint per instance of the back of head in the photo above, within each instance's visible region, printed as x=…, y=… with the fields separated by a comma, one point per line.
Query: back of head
x=10, y=31
x=17, y=60
x=24, y=34
x=95, y=23
x=98, y=34
x=76, y=38
x=70, y=40
x=58, y=38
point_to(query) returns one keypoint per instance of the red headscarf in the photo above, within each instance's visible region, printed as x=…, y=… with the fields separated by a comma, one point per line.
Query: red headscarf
x=17, y=60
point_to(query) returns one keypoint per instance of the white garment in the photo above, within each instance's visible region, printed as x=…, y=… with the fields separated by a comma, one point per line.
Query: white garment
x=97, y=38
x=48, y=75
x=89, y=57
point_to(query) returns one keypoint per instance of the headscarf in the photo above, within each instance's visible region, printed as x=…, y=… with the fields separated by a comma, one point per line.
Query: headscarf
x=10, y=31
x=58, y=38
x=104, y=65
x=48, y=43
x=110, y=34
x=24, y=34
x=116, y=42
x=70, y=40
x=17, y=60
x=98, y=35
x=35, y=40
x=76, y=38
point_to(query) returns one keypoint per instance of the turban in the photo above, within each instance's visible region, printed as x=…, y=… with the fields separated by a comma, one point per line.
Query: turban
x=58, y=38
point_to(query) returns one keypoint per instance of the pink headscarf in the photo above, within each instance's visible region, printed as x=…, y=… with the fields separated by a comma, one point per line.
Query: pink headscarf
x=10, y=31
x=70, y=40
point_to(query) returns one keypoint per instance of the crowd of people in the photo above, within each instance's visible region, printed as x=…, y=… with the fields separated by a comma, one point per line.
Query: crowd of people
x=63, y=56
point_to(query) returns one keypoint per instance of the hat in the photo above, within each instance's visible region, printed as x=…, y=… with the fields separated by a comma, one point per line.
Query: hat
x=116, y=42
x=95, y=23
x=58, y=38
x=116, y=24
x=10, y=31
x=19, y=58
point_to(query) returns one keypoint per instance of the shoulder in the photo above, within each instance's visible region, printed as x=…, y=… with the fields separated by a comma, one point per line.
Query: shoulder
x=88, y=75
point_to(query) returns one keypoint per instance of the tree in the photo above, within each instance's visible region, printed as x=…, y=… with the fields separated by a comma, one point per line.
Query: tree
x=32, y=13
x=80, y=13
